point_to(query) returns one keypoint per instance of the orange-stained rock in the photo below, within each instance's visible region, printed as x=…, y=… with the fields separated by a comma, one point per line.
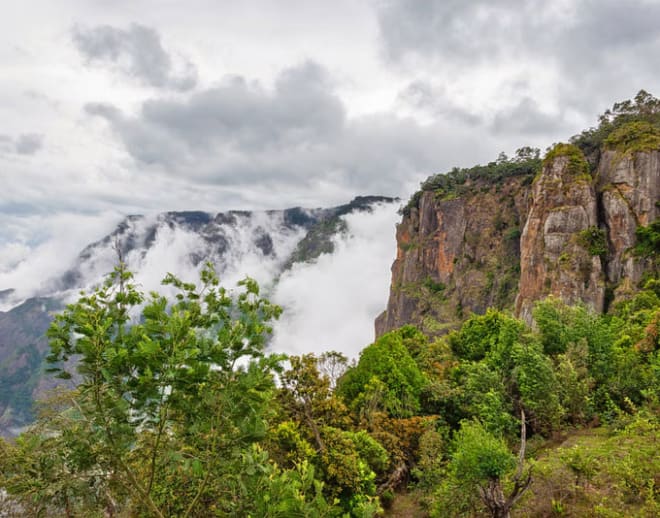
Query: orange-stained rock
x=456, y=256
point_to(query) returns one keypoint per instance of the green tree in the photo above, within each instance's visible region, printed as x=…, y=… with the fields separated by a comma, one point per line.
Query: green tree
x=479, y=466
x=346, y=461
x=306, y=394
x=173, y=396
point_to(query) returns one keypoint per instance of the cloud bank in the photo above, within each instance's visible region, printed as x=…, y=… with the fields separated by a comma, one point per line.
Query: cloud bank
x=24, y=144
x=527, y=59
x=297, y=134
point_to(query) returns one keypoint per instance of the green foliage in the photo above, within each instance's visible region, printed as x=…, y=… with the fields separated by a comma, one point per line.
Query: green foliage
x=643, y=108
x=289, y=446
x=537, y=384
x=560, y=325
x=479, y=464
x=434, y=286
x=479, y=456
x=370, y=451
x=594, y=240
x=481, y=334
x=346, y=461
x=574, y=384
x=274, y=493
x=347, y=474
x=648, y=240
x=577, y=164
x=173, y=396
x=430, y=468
x=633, y=137
x=505, y=369
x=513, y=234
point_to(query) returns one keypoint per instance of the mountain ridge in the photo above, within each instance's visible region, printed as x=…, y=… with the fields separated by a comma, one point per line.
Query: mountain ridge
x=236, y=242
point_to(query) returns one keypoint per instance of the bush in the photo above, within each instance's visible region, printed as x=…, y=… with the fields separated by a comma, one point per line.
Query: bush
x=450, y=185
x=593, y=239
x=634, y=137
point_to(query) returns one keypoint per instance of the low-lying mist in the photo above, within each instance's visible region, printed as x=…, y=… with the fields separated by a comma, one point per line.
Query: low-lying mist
x=329, y=303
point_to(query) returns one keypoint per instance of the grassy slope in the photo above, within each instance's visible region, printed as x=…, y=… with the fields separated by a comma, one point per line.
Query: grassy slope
x=609, y=471
x=604, y=472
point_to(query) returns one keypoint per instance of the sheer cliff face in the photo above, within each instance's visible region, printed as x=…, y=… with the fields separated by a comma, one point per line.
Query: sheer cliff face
x=464, y=254
x=555, y=257
x=456, y=255
x=630, y=190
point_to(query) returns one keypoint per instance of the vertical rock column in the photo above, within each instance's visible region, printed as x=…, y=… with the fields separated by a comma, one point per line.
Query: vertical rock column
x=629, y=184
x=556, y=256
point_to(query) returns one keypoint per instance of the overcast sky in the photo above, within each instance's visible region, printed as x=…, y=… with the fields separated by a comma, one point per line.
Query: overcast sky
x=111, y=107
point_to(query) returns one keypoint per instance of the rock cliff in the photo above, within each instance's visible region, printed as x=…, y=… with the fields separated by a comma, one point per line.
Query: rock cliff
x=630, y=189
x=457, y=252
x=516, y=231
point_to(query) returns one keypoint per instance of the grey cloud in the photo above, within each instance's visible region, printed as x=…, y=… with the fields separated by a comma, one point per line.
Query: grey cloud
x=526, y=117
x=244, y=115
x=595, y=51
x=29, y=143
x=452, y=29
x=37, y=96
x=296, y=135
x=138, y=51
x=6, y=144
x=24, y=144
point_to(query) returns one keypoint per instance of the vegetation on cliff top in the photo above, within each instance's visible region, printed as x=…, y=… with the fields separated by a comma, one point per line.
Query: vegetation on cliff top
x=457, y=182
x=616, y=126
x=629, y=126
x=633, y=137
x=577, y=164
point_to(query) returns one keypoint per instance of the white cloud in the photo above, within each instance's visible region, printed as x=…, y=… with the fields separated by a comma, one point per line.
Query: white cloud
x=28, y=266
x=331, y=304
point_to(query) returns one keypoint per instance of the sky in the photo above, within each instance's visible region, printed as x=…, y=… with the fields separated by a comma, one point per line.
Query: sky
x=114, y=107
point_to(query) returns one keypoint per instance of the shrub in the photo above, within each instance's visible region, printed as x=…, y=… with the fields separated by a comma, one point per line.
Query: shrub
x=593, y=239
x=634, y=137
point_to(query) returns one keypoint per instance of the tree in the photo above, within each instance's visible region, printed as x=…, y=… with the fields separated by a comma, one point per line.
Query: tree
x=307, y=395
x=173, y=396
x=389, y=365
x=346, y=461
x=479, y=465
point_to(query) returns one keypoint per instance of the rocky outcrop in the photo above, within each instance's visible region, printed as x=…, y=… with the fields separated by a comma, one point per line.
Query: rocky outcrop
x=461, y=251
x=559, y=243
x=630, y=189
